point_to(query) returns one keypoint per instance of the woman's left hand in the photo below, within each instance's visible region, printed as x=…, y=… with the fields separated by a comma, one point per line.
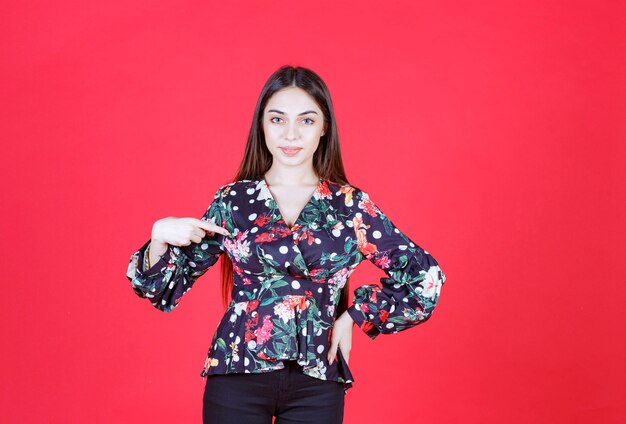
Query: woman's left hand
x=342, y=337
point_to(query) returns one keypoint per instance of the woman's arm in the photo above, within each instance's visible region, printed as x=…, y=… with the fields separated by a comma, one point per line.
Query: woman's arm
x=414, y=279
x=164, y=272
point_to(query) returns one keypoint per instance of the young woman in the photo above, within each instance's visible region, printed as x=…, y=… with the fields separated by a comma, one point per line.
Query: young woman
x=293, y=230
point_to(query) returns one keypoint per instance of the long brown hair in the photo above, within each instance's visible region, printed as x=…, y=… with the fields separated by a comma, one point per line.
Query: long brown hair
x=257, y=159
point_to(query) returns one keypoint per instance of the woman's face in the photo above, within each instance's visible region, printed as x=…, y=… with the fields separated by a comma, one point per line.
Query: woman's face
x=293, y=124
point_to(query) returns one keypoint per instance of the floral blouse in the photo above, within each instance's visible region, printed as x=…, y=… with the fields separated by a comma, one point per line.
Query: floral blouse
x=288, y=280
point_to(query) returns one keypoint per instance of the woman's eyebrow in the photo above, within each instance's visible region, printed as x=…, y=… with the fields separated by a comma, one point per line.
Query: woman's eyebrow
x=283, y=113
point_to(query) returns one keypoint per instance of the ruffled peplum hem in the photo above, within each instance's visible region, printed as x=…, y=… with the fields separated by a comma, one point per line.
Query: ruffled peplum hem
x=255, y=338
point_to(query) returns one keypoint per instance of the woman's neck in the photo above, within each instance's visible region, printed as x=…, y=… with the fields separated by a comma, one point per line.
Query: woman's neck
x=291, y=176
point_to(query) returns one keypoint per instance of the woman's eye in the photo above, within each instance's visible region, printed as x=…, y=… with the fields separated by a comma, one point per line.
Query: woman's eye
x=309, y=119
x=272, y=119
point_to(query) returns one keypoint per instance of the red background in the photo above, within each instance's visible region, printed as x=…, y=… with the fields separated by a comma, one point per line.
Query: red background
x=502, y=122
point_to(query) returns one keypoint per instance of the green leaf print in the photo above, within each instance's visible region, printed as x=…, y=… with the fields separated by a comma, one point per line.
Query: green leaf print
x=221, y=344
x=299, y=262
x=277, y=284
x=269, y=300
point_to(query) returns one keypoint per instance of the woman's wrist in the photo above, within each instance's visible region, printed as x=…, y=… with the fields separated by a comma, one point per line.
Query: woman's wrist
x=346, y=316
x=146, y=258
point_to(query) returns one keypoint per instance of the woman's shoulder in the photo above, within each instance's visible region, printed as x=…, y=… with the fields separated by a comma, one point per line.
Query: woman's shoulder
x=344, y=188
x=234, y=185
x=340, y=185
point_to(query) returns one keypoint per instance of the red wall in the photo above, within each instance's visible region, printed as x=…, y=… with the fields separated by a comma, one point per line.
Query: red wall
x=504, y=122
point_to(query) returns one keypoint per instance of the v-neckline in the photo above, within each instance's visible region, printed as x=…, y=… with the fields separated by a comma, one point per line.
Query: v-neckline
x=280, y=214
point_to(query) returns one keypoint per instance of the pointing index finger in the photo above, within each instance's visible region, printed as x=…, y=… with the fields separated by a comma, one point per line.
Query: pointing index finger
x=209, y=226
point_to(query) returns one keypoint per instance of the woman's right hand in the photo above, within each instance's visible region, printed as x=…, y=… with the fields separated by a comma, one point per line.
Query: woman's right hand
x=183, y=231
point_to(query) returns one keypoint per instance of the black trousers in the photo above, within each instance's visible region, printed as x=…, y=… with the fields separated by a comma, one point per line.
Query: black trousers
x=287, y=394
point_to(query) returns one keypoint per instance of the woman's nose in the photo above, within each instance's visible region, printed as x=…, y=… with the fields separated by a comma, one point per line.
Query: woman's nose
x=292, y=131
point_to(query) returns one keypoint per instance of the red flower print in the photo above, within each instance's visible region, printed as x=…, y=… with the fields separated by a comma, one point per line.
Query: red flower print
x=383, y=314
x=263, y=356
x=323, y=190
x=264, y=238
x=368, y=206
x=252, y=305
x=292, y=301
x=365, y=247
x=262, y=220
x=301, y=236
x=295, y=228
x=246, y=281
x=302, y=304
x=286, y=309
x=366, y=326
x=383, y=262
x=237, y=269
x=314, y=272
x=249, y=336
x=252, y=322
x=373, y=295
x=281, y=232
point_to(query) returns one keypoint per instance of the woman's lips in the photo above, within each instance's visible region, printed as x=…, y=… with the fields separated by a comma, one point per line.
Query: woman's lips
x=290, y=151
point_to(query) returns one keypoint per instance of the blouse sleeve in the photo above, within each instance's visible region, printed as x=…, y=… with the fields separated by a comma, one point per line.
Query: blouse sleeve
x=414, y=279
x=179, y=267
